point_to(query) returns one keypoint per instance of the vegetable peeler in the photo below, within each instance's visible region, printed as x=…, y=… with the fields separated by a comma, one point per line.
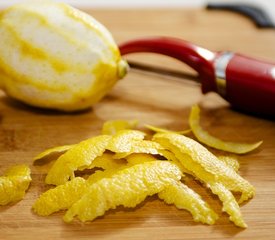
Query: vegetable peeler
x=246, y=83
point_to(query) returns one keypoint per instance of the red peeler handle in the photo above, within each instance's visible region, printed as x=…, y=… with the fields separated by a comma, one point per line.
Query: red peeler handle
x=246, y=83
x=250, y=85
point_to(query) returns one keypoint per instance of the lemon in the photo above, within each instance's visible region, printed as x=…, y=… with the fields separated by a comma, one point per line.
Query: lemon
x=55, y=56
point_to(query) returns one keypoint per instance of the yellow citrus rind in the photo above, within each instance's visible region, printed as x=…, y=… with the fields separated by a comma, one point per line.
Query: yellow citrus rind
x=128, y=187
x=14, y=184
x=211, y=141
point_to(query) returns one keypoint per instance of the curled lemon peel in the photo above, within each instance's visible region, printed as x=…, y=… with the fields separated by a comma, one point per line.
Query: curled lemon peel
x=78, y=157
x=128, y=187
x=144, y=146
x=183, y=197
x=230, y=161
x=60, y=197
x=52, y=151
x=123, y=140
x=107, y=161
x=230, y=204
x=64, y=196
x=98, y=175
x=138, y=158
x=130, y=172
x=126, y=142
x=206, y=167
x=163, y=130
x=14, y=183
x=211, y=141
x=203, y=164
x=113, y=126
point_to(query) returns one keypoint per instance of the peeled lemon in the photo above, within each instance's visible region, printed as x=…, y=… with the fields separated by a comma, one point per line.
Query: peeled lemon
x=55, y=56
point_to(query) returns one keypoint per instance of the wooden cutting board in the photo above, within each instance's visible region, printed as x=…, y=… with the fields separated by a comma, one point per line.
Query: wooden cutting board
x=162, y=101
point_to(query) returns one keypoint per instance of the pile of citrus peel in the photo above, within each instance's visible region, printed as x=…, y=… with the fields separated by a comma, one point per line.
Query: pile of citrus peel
x=129, y=166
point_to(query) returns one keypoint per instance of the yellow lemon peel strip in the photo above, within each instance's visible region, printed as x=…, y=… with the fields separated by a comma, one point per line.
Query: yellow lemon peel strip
x=60, y=197
x=65, y=195
x=211, y=141
x=108, y=173
x=185, y=198
x=230, y=162
x=163, y=130
x=107, y=161
x=78, y=157
x=138, y=158
x=98, y=175
x=123, y=140
x=230, y=204
x=14, y=183
x=128, y=187
x=171, y=157
x=126, y=142
x=113, y=126
x=203, y=164
x=121, y=183
x=144, y=146
x=51, y=151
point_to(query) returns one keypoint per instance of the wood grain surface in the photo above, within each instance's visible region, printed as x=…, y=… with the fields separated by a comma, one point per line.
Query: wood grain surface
x=162, y=101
